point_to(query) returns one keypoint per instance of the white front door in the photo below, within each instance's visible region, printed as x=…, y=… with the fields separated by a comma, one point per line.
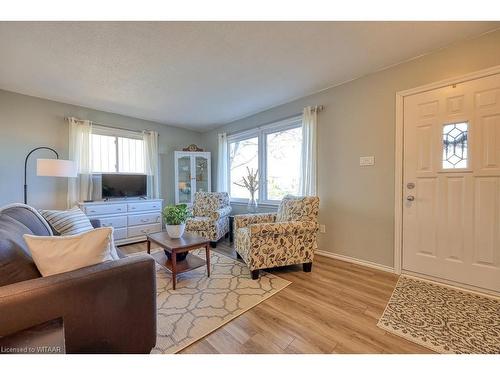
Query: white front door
x=451, y=213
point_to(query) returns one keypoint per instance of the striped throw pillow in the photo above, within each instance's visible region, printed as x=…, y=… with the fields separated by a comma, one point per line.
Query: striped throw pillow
x=67, y=223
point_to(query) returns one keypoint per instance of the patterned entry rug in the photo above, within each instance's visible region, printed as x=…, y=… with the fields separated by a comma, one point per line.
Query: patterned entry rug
x=200, y=305
x=443, y=319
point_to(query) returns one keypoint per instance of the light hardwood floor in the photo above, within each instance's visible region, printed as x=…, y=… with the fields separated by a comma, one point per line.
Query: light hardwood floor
x=333, y=309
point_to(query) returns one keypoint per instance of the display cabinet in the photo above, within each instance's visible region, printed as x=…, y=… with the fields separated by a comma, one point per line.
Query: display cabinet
x=192, y=174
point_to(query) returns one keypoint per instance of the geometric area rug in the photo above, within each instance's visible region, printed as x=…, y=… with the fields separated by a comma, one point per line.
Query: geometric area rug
x=443, y=319
x=201, y=304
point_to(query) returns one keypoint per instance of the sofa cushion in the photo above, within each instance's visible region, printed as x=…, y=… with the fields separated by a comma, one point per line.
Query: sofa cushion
x=58, y=254
x=67, y=223
x=298, y=209
x=16, y=263
x=205, y=202
x=28, y=216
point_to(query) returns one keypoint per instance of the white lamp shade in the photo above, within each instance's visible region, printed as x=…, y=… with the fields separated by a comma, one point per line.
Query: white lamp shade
x=55, y=168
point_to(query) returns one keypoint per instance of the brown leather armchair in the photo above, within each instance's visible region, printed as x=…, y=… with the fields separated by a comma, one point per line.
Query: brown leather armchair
x=106, y=308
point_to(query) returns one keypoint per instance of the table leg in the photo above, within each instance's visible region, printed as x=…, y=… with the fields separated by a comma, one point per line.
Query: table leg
x=174, y=268
x=231, y=229
x=149, y=246
x=207, y=254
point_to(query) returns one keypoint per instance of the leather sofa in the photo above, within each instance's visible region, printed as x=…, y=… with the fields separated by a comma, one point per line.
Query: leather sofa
x=106, y=308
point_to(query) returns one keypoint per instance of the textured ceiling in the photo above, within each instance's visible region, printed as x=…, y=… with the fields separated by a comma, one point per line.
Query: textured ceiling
x=203, y=74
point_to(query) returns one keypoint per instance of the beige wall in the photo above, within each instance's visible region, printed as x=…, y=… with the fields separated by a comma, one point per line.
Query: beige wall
x=27, y=122
x=357, y=204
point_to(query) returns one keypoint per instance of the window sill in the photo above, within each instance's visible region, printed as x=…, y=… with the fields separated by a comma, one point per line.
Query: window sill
x=271, y=205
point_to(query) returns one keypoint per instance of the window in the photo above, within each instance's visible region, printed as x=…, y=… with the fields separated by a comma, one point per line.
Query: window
x=283, y=157
x=243, y=154
x=273, y=150
x=455, y=146
x=116, y=154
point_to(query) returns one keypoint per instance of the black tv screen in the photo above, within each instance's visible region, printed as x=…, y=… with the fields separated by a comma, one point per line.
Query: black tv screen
x=123, y=185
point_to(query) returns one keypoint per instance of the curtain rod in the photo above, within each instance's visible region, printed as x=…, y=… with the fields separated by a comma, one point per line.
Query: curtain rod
x=111, y=126
x=315, y=108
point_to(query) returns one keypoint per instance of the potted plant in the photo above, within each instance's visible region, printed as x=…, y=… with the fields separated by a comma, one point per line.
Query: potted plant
x=175, y=217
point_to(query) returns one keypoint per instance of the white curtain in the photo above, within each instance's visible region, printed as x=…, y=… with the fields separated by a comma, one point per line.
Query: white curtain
x=80, y=145
x=309, y=168
x=222, y=183
x=151, y=155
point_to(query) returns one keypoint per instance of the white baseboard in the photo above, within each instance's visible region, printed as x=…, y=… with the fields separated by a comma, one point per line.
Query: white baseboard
x=349, y=259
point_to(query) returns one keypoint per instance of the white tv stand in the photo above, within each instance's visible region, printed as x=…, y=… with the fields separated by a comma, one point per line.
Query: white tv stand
x=131, y=219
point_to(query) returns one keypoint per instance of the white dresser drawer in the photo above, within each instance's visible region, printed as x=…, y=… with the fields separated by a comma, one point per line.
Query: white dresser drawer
x=142, y=230
x=105, y=209
x=143, y=219
x=144, y=206
x=114, y=221
x=119, y=234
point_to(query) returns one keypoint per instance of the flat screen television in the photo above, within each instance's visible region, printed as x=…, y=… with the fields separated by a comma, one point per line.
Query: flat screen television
x=123, y=185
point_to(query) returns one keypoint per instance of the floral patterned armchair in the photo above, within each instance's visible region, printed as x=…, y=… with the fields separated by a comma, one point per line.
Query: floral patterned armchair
x=210, y=216
x=285, y=238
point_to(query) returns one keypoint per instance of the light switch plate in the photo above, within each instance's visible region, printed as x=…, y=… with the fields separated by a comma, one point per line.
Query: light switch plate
x=322, y=228
x=366, y=161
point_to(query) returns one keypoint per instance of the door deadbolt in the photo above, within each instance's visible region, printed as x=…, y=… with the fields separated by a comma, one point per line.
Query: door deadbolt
x=410, y=185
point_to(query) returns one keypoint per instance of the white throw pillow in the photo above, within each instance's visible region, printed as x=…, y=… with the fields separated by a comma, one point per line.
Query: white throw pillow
x=53, y=254
x=67, y=223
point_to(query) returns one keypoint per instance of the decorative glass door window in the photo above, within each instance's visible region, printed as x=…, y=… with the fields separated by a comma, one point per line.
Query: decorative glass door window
x=455, y=146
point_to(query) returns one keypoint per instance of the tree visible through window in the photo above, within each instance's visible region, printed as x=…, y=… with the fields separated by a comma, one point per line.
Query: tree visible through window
x=242, y=154
x=276, y=152
x=283, y=163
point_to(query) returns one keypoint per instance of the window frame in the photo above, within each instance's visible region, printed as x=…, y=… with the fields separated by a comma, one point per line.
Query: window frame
x=238, y=137
x=260, y=133
x=117, y=133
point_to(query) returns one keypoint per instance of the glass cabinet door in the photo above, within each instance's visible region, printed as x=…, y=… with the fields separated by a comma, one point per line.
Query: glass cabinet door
x=201, y=166
x=184, y=179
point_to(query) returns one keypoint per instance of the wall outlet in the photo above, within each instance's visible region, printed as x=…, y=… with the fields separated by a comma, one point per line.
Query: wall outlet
x=322, y=228
x=366, y=161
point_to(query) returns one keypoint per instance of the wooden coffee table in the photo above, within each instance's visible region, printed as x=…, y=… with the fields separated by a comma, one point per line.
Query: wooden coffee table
x=175, y=246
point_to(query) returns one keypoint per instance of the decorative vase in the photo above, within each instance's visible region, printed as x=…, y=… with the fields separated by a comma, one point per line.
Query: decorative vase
x=252, y=206
x=175, y=231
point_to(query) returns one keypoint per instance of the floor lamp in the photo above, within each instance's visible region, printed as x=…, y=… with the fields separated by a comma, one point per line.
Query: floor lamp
x=49, y=167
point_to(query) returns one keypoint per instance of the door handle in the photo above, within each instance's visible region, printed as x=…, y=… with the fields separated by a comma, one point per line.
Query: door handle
x=410, y=198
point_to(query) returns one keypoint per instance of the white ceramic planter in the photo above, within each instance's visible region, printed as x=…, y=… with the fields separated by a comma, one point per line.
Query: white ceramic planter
x=175, y=231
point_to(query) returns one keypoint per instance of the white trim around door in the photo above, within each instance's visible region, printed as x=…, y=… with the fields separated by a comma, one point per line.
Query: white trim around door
x=399, y=157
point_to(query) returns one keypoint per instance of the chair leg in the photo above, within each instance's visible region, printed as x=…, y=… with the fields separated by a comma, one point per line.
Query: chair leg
x=213, y=244
x=255, y=274
x=307, y=267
